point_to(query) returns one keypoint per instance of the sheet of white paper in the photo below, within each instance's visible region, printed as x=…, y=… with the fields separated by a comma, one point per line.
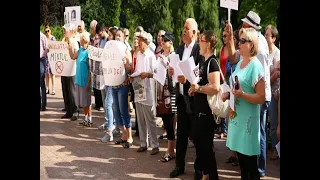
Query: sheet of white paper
x=160, y=72
x=190, y=70
x=174, y=60
x=135, y=74
x=278, y=148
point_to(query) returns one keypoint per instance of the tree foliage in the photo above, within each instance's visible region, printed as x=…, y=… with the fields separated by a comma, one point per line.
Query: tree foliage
x=153, y=15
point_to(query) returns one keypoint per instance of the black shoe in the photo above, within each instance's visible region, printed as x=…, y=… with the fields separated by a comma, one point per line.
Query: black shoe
x=197, y=175
x=66, y=116
x=43, y=109
x=73, y=118
x=154, y=151
x=142, y=149
x=176, y=172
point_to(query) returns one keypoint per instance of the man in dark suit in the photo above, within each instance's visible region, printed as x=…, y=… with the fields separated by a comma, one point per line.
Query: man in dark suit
x=184, y=102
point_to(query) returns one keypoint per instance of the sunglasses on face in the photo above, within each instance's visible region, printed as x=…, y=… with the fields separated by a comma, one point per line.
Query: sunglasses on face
x=242, y=40
x=47, y=31
x=166, y=40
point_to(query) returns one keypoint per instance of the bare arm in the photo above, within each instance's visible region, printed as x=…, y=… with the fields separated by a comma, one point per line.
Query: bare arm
x=128, y=64
x=230, y=44
x=73, y=55
x=214, y=84
x=259, y=96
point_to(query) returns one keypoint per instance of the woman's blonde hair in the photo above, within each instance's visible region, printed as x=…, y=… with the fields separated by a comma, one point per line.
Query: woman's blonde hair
x=251, y=35
x=85, y=38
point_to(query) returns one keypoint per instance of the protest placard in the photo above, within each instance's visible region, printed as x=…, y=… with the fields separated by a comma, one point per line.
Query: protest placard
x=114, y=72
x=59, y=59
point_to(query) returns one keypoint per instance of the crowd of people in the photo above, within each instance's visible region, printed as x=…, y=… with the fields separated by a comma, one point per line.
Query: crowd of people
x=247, y=55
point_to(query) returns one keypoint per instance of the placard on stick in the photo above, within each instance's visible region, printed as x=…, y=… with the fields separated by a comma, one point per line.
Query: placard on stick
x=229, y=4
x=73, y=14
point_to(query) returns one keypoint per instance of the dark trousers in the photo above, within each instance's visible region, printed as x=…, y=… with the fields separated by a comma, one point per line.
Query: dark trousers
x=248, y=167
x=97, y=98
x=203, y=133
x=168, y=125
x=43, y=95
x=184, y=122
x=68, y=91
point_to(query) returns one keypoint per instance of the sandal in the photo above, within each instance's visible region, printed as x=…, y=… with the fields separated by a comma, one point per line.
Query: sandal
x=127, y=145
x=166, y=158
x=120, y=141
x=53, y=92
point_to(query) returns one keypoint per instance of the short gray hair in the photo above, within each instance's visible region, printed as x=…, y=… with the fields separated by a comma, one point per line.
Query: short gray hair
x=93, y=23
x=194, y=24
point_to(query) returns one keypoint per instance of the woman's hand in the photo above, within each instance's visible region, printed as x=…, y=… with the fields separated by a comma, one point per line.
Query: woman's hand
x=237, y=93
x=195, y=87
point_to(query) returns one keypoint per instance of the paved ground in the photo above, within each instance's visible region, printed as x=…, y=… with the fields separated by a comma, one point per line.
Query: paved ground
x=69, y=151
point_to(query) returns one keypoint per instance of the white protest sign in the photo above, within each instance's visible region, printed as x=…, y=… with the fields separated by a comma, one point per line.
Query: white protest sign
x=229, y=4
x=114, y=72
x=94, y=53
x=73, y=13
x=59, y=59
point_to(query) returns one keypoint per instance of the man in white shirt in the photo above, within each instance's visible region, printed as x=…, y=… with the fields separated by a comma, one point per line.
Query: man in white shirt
x=253, y=20
x=145, y=108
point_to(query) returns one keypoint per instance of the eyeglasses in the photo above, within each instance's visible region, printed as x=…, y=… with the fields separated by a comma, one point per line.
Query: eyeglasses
x=242, y=41
x=47, y=31
x=166, y=40
x=126, y=35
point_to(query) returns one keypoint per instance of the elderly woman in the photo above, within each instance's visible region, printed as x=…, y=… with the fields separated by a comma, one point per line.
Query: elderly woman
x=204, y=123
x=244, y=119
x=83, y=78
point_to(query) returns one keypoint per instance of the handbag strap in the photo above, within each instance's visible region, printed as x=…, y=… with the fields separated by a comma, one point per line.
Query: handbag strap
x=219, y=69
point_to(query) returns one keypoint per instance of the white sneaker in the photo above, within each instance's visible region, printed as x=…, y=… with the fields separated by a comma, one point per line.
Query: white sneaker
x=107, y=138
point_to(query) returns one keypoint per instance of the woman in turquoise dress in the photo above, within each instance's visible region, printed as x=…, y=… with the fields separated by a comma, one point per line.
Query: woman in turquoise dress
x=244, y=120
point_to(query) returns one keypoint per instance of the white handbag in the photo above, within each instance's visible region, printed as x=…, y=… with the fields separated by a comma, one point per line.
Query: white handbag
x=219, y=108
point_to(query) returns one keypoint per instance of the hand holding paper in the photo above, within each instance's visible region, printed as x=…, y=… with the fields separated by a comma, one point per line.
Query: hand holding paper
x=174, y=69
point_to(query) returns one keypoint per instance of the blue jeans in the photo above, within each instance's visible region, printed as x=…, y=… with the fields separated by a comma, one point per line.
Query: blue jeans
x=262, y=161
x=273, y=115
x=222, y=127
x=107, y=100
x=121, y=112
x=43, y=96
